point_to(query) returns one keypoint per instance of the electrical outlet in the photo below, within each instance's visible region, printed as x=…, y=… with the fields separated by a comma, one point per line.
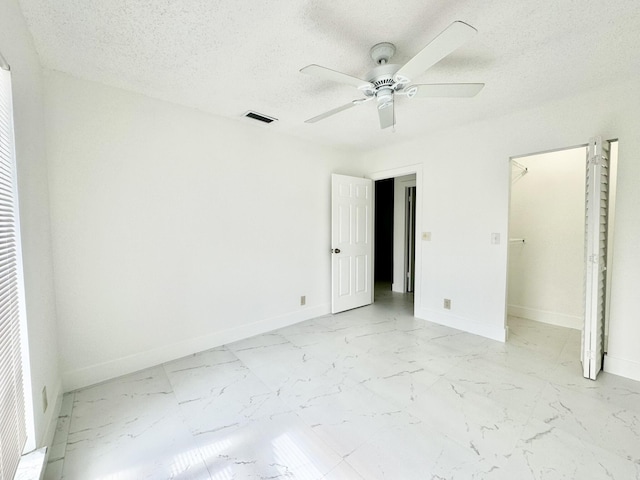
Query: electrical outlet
x=303, y=300
x=426, y=236
x=45, y=401
x=447, y=304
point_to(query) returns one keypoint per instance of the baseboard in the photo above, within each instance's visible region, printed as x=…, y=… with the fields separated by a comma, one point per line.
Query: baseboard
x=93, y=374
x=622, y=367
x=494, y=332
x=46, y=438
x=544, y=316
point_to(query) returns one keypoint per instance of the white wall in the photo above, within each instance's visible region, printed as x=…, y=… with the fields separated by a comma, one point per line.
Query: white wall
x=175, y=231
x=17, y=48
x=465, y=198
x=546, y=273
x=399, y=225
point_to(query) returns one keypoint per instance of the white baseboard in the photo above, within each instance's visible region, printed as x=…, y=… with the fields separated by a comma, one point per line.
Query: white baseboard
x=494, y=332
x=93, y=374
x=622, y=367
x=46, y=439
x=544, y=316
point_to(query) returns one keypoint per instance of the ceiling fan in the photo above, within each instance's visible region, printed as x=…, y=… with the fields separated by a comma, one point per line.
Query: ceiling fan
x=388, y=80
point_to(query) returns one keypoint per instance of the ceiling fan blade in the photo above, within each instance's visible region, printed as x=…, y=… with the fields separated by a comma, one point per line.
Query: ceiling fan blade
x=450, y=39
x=435, y=90
x=387, y=115
x=324, y=115
x=328, y=74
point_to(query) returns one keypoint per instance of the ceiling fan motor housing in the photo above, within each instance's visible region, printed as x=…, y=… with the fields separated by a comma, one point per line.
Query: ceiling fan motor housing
x=382, y=79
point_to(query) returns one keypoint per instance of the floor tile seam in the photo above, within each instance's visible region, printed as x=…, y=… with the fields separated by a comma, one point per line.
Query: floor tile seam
x=401, y=405
x=320, y=441
x=344, y=460
x=591, y=398
x=499, y=404
x=469, y=447
x=554, y=357
x=526, y=412
x=433, y=431
x=585, y=442
x=372, y=436
x=587, y=437
x=183, y=421
x=296, y=409
x=288, y=408
x=609, y=400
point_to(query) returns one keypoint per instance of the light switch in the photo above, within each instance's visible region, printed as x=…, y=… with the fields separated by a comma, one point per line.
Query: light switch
x=426, y=236
x=495, y=238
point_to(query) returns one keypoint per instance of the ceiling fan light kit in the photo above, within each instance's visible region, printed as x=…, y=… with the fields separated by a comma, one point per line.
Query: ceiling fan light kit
x=387, y=80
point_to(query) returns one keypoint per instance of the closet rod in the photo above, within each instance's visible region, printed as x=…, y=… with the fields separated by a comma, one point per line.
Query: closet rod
x=520, y=166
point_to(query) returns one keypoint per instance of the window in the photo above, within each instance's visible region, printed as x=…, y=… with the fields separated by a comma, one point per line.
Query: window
x=12, y=407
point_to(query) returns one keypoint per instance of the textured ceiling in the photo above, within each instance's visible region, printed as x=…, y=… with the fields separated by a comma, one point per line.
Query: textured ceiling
x=229, y=56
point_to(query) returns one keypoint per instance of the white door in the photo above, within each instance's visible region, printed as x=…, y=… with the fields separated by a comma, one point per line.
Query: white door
x=597, y=195
x=351, y=242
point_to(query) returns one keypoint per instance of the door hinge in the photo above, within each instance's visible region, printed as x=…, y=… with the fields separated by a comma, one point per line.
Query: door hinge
x=596, y=160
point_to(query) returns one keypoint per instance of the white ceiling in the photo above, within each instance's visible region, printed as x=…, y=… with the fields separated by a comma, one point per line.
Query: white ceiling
x=229, y=56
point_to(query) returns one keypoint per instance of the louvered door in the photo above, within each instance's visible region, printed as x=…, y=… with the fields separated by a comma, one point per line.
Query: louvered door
x=596, y=212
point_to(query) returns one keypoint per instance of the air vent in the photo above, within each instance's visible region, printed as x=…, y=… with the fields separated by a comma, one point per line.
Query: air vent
x=259, y=117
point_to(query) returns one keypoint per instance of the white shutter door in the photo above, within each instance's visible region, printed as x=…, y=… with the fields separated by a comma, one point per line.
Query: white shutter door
x=12, y=416
x=596, y=210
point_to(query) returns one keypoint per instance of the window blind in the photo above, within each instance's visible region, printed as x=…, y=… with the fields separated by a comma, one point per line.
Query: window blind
x=12, y=409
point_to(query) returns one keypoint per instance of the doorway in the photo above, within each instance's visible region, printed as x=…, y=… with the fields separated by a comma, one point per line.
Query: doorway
x=353, y=257
x=546, y=254
x=394, y=235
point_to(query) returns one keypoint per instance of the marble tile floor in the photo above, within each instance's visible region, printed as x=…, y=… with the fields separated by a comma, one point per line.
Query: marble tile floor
x=372, y=393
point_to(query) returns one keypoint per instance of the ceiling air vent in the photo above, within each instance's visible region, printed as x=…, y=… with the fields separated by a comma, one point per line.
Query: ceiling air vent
x=259, y=117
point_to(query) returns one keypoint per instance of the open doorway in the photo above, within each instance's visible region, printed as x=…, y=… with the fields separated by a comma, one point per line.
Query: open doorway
x=394, y=236
x=353, y=259
x=383, y=234
x=547, y=264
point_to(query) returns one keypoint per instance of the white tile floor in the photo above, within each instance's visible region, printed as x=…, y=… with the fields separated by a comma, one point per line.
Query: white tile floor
x=368, y=394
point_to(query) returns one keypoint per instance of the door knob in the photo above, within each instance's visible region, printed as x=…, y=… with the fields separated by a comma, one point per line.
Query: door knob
x=336, y=250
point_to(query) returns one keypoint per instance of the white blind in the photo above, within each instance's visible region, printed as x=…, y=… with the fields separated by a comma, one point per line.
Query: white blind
x=12, y=411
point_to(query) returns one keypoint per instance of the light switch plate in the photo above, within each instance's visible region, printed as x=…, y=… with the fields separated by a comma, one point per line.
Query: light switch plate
x=495, y=239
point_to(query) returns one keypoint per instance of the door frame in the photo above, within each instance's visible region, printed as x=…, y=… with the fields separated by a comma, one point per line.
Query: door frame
x=610, y=230
x=409, y=242
x=401, y=172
